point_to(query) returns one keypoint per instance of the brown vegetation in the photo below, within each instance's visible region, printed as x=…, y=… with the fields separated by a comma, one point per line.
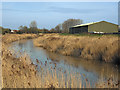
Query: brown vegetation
x=22, y=73
x=16, y=72
x=103, y=48
x=8, y=38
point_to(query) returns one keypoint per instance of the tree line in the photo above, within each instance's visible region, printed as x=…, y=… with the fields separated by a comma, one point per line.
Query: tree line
x=60, y=28
x=32, y=29
x=64, y=27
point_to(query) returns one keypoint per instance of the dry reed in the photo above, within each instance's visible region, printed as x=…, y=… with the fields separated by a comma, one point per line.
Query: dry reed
x=103, y=48
x=22, y=73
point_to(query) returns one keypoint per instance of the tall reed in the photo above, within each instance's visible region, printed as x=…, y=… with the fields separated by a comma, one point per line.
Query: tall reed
x=104, y=48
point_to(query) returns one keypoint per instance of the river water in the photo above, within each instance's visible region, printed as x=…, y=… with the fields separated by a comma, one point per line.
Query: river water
x=93, y=70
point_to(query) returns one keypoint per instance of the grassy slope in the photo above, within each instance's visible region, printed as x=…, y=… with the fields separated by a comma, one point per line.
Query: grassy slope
x=17, y=72
x=104, y=47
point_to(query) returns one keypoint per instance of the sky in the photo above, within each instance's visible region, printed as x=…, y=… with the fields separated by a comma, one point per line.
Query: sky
x=49, y=14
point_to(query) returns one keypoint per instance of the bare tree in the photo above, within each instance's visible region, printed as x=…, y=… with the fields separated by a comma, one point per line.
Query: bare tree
x=33, y=27
x=33, y=24
x=119, y=28
x=20, y=27
x=58, y=28
x=52, y=30
x=69, y=23
x=23, y=29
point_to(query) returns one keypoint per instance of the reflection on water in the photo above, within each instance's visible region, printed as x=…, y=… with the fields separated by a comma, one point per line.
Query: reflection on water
x=91, y=69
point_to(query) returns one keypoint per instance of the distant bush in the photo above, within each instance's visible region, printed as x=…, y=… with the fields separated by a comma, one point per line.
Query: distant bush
x=4, y=30
x=24, y=29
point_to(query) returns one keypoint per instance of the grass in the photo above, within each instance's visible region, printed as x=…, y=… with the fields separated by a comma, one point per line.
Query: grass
x=8, y=38
x=22, y=73
x=57, y=78
x=16, y=72
x=86, y=34
x=53, y=77
x=104, y=48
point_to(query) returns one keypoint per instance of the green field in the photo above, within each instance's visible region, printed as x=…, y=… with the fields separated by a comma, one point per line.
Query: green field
x=86, y=34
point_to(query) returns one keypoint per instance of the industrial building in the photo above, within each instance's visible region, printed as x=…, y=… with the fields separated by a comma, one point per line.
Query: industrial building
x=95, y=27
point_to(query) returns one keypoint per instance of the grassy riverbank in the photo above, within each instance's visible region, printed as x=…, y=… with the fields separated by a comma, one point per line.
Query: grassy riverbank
x=8, y=38
x=17, y=72
x=22, y=73
x=104, y=47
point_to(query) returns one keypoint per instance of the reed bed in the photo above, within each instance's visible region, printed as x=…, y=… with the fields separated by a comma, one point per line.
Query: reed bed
x=109, y=83
x=21, y=72
x=16, y=72
x=104, y=48
x=52, y=76
x=8, y=38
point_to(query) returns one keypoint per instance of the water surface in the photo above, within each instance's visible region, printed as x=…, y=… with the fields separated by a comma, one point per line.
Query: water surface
x=93, y=70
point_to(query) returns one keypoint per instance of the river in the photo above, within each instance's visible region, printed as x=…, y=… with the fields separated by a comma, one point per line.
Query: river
x=93, y=70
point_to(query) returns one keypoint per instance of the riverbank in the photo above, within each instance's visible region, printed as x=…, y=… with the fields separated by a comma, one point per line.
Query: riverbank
x=9, y=38
x=17, y=72
x=104, y=48
x=22, y=73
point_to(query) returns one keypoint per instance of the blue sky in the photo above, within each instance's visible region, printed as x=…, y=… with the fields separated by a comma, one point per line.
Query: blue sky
x=49, y=14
